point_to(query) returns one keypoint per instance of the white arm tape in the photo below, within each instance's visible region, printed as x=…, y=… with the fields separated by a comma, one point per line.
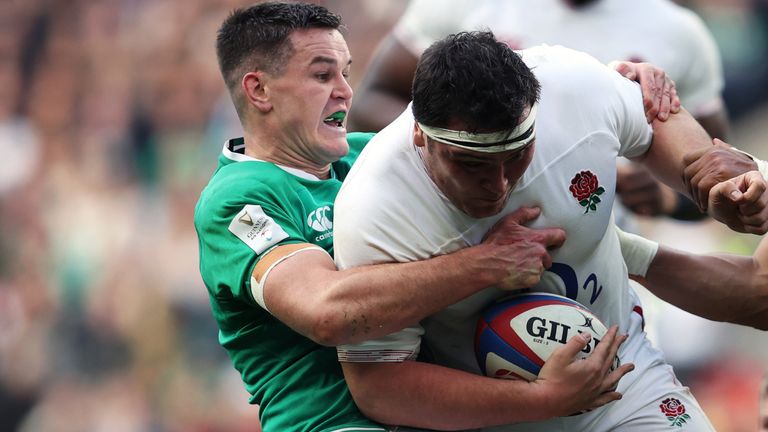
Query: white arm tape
x=762, y=166
x=257, y=287
x=638, y=252
x=396, y=347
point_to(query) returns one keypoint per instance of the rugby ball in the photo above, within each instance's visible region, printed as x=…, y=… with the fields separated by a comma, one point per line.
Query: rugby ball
x=515, y=336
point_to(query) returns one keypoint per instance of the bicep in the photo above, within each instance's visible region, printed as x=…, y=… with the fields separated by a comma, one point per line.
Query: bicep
x=287, y=282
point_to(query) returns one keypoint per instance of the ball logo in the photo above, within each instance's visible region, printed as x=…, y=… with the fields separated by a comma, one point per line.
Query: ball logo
x=543, y=331
x=516, y=336
x=319, y=221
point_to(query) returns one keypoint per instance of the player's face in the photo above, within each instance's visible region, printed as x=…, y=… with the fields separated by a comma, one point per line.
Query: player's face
x=479, y=184
x=311, y=97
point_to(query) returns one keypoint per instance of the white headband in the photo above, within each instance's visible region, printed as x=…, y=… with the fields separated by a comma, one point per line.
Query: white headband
x=493, y=142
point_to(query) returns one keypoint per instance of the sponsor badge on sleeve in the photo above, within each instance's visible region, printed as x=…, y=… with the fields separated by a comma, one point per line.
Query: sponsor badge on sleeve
x=256, y=229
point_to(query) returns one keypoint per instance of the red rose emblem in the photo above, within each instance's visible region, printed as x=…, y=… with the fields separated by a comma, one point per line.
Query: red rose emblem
x=585, y=188
x=672, y=407
x=583, y=185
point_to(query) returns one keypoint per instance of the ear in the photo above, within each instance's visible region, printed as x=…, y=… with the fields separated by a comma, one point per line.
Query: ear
x=255, y=90
x=419, y=137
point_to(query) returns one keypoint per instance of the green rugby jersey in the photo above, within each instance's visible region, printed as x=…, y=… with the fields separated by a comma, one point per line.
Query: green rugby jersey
x=247, y=208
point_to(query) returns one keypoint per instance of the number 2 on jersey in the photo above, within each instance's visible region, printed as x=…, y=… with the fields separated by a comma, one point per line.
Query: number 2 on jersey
x=571, y=282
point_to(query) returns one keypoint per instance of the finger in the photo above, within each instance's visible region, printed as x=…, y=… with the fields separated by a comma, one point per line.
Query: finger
x=566, y=353
x=726, y=191
x=611, y=381
x=701, y=185
x=759, y=229
x=614, y=349
x=659, y=77
x=546, y=261
x=751, y=213
x=553, y=237
x=523, y=215
x=754, y=223
x=648, y=87
x=605, y=398
x=606, y=345
x=717, y=142
x=675, y=100
x=755, y=199
x=692, y=176
x=624, y=68
x=754, y=184
x=650, y=101
x=755, y=203
x=666, y=100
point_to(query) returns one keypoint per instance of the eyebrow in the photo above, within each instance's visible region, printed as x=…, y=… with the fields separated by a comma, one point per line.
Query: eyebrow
x=329, y=60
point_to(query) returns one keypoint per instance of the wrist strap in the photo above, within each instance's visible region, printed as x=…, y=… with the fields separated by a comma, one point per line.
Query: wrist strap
x=638, y=252
x=762, y=166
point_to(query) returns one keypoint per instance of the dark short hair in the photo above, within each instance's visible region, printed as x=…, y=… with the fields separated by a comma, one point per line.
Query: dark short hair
x=258, y=37
x=472, y=78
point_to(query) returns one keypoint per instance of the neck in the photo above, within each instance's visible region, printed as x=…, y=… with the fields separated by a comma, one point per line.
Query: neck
x=267, y=148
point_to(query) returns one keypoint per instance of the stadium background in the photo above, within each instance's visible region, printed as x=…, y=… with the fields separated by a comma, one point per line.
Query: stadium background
x=111, y=116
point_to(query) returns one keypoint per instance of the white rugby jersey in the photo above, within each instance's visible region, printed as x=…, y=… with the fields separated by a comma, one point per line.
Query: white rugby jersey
x=656, y=31
x=389, y=210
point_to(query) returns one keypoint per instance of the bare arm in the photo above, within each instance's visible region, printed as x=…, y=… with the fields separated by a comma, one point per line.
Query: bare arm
x=332, y=307
x=672, y=140
x=431, y=396
x=643, y=194
x=386, y=89
x=721, y=287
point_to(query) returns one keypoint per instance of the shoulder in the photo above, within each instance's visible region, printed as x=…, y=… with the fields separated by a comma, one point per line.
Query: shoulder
x=567, y=73
x=237, y=184
x=679, y=25
x=556, y=61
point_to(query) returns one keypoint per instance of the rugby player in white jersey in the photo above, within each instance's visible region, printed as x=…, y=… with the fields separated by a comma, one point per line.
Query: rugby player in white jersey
x=480, y=144
x=656, y=31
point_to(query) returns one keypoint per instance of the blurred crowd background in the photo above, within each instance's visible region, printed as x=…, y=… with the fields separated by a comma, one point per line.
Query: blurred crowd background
x=112, y=114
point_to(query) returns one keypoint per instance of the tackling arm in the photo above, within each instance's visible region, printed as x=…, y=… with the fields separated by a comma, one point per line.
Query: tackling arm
x=430, y=396
x=332, y=307
x=304, y=290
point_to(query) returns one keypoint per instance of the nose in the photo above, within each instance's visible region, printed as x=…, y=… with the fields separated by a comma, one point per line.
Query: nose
x=495, y=180
x=342, y=89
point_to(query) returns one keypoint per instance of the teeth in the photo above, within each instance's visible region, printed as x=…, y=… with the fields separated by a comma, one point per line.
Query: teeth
x=338, y=116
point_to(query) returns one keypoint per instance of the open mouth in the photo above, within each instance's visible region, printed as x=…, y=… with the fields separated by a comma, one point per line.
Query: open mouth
x=336, y=119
